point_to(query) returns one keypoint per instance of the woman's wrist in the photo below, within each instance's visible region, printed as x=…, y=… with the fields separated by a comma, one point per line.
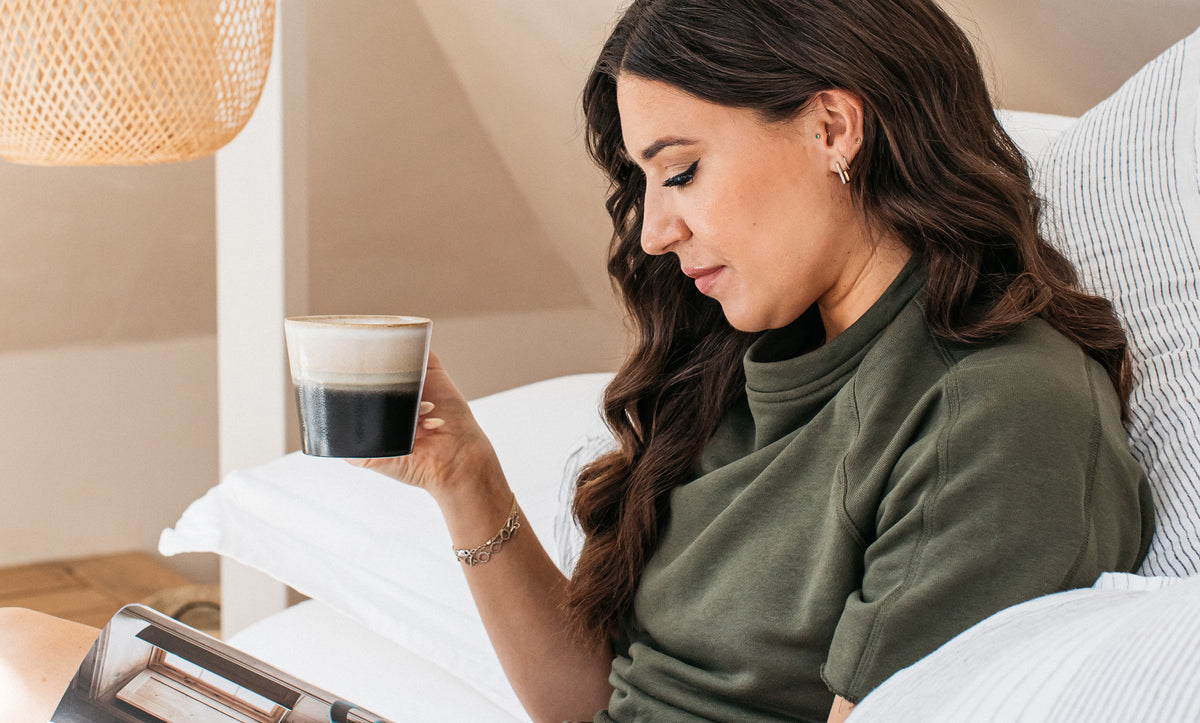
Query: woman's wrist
x=475, y=506
x=482, y=554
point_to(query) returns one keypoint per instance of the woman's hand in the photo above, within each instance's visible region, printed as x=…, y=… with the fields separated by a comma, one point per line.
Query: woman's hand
x=450, y=451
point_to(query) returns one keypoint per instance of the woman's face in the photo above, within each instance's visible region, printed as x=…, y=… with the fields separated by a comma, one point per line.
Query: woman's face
x=755, y=211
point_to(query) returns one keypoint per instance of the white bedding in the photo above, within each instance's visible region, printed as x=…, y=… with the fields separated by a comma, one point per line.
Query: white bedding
x=331, y=651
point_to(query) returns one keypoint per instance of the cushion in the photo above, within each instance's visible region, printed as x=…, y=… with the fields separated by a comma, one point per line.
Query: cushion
x=1122, y=192
x=1033, y=132
x=568, y=535
x=1126, y=650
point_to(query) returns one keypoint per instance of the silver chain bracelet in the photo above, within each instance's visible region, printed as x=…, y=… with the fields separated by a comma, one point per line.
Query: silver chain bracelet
x=484, y=552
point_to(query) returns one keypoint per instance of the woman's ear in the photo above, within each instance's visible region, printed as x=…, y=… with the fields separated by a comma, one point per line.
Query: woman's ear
x=839, y=116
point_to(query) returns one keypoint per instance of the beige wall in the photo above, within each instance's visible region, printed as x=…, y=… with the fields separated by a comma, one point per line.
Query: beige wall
x=102, y=444
x=411, y=208
x=446, y=178
x=1064, y=56
x=105, y=255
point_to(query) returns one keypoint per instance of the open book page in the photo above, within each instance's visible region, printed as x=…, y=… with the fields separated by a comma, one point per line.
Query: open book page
x=146, y=667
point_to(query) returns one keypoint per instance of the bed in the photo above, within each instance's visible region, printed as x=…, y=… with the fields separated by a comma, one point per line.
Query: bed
x=390, y=625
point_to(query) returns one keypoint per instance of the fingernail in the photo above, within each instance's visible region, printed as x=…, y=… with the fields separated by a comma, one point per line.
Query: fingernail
x=426, y=408
x=432, y=423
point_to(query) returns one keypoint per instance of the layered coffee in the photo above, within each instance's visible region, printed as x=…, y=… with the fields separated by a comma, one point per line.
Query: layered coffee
x=357, y=382
x=350, y=420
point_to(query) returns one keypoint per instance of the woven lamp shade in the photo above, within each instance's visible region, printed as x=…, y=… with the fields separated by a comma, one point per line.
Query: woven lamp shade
x=128, y=82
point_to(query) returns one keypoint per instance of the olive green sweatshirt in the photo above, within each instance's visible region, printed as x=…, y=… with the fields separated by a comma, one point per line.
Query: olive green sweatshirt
x=868, y=500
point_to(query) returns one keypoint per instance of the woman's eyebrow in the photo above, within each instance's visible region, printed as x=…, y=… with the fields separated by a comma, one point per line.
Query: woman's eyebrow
x=653, y=149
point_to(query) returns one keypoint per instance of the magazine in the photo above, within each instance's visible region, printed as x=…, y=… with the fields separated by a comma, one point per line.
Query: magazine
x=147, y=667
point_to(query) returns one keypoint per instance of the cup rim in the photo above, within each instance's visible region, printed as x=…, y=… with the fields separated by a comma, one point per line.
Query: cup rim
x=358, y=321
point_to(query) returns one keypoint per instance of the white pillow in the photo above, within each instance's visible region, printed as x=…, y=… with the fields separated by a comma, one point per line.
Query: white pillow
x=1122, y=192
x=1033, y=132
x=377, y=550
x=1126, y=650
x=568, y=535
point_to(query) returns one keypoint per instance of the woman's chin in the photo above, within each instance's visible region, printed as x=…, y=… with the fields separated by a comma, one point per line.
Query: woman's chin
x=745, y=322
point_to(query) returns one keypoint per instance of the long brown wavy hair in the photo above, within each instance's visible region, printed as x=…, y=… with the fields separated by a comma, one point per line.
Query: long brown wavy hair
x=935, y=169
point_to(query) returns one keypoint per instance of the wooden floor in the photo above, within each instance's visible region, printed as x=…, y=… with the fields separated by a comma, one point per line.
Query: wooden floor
x=88, y=590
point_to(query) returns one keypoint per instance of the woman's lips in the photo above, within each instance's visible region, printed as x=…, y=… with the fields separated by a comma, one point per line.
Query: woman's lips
x=704, y=276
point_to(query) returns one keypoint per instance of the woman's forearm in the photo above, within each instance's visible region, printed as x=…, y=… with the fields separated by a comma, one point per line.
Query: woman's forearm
x=519, y=593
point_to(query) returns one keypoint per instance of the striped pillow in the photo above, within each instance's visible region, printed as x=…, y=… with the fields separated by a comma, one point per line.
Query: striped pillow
x=1122, y=191
x=1126, y=650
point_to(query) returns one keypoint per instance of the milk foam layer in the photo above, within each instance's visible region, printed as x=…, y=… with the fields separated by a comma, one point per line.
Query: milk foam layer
x=395, y=380
x=375, y=350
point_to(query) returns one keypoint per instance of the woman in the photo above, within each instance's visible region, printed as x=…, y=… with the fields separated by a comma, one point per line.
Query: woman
x=867, y=405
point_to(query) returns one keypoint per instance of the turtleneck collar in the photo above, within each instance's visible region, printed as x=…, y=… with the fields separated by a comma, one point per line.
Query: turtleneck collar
x=783, y=364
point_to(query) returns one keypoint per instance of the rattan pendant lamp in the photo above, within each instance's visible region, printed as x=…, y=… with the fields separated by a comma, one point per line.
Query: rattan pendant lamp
x=128, y=82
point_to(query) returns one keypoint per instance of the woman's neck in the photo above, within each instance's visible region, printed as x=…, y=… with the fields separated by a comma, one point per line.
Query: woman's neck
x=864, y=281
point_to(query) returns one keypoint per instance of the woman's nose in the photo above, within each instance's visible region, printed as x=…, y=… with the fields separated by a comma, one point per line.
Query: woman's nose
x=661, y=229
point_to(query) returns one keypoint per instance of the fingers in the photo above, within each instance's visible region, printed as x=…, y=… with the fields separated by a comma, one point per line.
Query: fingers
x=430, y=423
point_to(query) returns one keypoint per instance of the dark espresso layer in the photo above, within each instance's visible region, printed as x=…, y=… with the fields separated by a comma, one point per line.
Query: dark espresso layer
x=357, y=421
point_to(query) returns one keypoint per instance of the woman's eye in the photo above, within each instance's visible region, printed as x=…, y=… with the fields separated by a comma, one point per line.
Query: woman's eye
x=683, y=178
